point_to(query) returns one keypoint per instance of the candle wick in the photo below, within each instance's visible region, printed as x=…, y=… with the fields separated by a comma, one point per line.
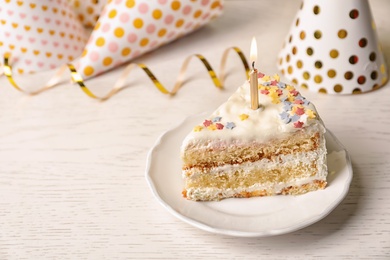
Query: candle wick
x=253, y=65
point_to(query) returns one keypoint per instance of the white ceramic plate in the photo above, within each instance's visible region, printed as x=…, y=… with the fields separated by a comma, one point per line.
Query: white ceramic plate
x=249, y=217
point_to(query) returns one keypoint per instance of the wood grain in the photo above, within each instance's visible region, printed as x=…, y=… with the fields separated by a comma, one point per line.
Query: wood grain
x=72, y=182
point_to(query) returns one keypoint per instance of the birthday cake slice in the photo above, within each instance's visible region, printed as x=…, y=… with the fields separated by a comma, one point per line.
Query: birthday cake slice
x=240, y=152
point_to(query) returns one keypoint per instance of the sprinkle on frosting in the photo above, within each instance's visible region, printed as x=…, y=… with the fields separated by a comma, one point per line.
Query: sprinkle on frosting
x=289, y=87
x=285, y=117
x=264, y=91
x=310, y=113
x=298, y=124
x=294, y=92
x=287, y=106
x=281, y=85
x=214, y=124
x=219, y=126
x=244, y=117
x=299, y=111
x=198, y=128
x=294, y=105
x=217, y=119
x=294, y=118
x=266, y=78
x=230, y=125
x=298, y=101
x=273, y=94
x=207, y=123
x=212, y=127
x=294, y=109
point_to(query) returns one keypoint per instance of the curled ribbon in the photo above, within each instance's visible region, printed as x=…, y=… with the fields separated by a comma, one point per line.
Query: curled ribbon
x=120, y=83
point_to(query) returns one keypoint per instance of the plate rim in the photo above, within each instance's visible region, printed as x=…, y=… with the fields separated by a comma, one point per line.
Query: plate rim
x=237, y=233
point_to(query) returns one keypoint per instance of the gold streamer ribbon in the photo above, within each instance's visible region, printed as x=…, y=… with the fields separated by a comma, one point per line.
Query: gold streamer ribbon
x=120, y=83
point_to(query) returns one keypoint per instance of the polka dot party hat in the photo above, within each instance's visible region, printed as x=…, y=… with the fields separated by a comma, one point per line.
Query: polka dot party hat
x=88, y=11
x=128, y=28
x=333, y=48
x=40, y=35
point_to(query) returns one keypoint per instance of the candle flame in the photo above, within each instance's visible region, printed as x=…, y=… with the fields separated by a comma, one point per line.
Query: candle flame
x=253, y=53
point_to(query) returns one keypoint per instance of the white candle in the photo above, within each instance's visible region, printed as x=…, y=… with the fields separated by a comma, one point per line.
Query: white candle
x=253, y=76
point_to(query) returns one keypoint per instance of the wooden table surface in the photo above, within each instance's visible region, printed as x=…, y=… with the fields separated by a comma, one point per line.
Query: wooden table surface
x=72, y=169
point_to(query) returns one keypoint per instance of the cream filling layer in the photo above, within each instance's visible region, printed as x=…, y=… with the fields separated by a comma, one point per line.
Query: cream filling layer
x=274, y=188
x=318, y=156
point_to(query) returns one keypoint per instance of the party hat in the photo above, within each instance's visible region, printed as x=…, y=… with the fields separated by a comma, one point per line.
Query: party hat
x=127, y=29
x=333, y=48
x=40, y=35
x=88, y=11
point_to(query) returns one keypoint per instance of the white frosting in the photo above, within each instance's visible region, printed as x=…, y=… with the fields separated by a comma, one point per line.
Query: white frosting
x=261, y=124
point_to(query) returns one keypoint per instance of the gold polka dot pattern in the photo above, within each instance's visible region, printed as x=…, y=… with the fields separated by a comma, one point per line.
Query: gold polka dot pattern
x=52, y=33
x=130, y=28
x=338, y=57
x=88, y=11
x=40, y=35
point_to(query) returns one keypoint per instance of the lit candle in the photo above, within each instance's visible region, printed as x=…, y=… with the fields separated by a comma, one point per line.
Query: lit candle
x=253, y=76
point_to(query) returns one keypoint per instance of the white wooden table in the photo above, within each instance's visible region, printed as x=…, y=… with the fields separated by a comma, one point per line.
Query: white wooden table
x=72, y=169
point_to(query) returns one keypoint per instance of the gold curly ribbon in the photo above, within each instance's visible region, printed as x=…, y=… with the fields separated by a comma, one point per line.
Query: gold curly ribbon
x=120, y=83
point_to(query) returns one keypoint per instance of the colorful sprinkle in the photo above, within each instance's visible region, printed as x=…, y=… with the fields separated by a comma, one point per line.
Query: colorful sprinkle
x=273, y=94
x=294, y=92
x=198, y=128
x=212, y=127
x=287, y=105
x=244, y=117
x=298, y=124
x=294, y=109
x=289, y=87
x=294, y=118
x=207, y=123
x=295, y=106
x=284, y=115
x=275, y=101
x=310, y=113
x=219, y=126
x=291, y=97
x=217, y=119
x=300, y=111
x=230, y=125
x=266, y=78
x=264, y=91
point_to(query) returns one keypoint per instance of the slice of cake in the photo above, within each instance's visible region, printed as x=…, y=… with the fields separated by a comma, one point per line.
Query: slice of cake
x=240, y=152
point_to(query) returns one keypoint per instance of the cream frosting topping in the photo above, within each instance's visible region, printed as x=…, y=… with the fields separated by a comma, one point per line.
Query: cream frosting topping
x=282, y=110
